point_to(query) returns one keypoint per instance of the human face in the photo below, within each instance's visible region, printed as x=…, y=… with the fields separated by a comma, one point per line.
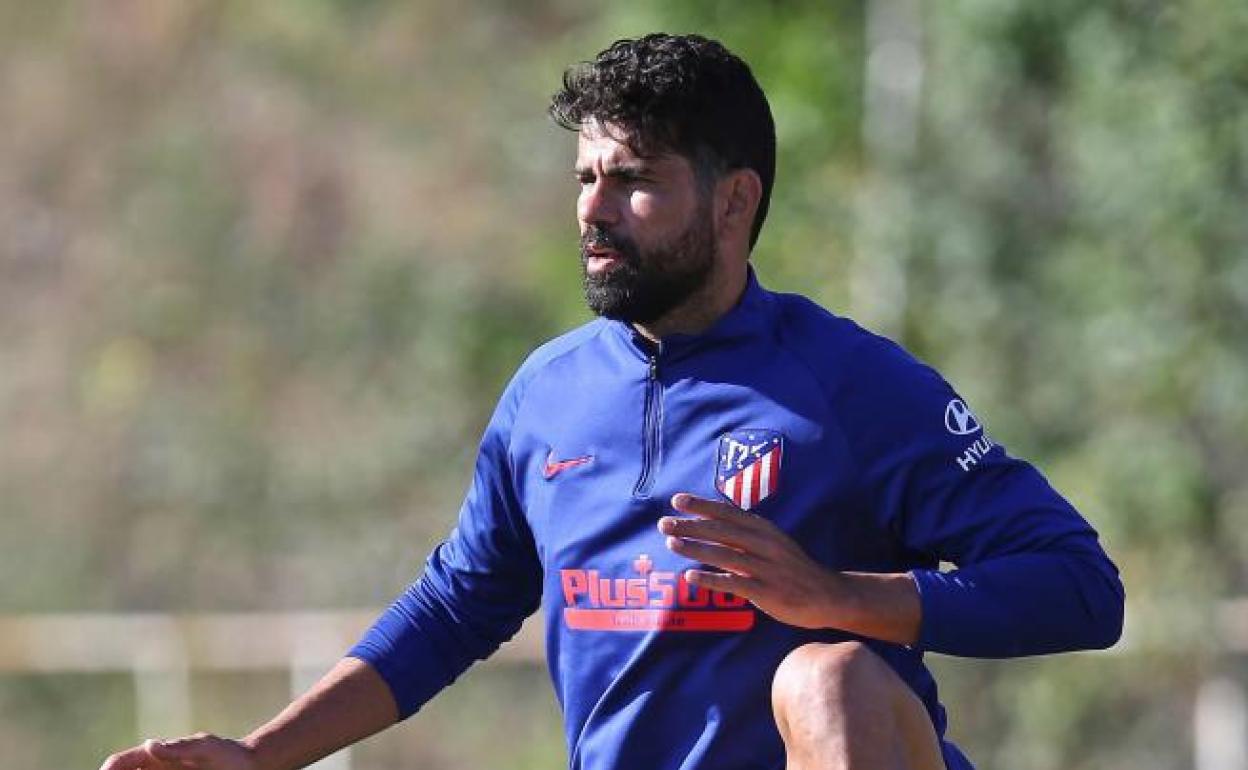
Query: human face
x=647, y=235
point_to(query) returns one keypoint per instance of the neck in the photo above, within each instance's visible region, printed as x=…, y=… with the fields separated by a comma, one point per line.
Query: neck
x=703, y=308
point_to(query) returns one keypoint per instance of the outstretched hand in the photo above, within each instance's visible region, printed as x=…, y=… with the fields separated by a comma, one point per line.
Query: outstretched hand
x=760, y=562
x=351, y=702
x=193, y=752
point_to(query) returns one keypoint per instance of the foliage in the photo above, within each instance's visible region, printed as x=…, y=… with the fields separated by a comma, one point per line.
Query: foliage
x=264, y=267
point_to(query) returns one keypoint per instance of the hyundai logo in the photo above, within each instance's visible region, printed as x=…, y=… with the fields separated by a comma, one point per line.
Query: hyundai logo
x=959, y=418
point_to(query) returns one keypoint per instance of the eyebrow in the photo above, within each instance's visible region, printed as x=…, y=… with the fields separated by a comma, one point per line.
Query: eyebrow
x=618, y=170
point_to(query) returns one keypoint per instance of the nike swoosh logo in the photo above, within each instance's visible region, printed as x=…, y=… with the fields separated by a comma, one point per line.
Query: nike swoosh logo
x=554, y=467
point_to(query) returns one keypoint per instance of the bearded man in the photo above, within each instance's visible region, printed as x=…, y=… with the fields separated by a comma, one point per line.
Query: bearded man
x=731, y=504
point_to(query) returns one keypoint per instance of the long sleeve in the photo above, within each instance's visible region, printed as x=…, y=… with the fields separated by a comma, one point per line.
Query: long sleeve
x=1031, y=576
x=476, y=589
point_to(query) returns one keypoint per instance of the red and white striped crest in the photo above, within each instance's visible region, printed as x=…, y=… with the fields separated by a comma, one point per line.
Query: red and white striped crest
x=747, y=468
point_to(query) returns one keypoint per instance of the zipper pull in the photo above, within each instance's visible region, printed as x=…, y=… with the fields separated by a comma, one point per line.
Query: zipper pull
x=654, y=367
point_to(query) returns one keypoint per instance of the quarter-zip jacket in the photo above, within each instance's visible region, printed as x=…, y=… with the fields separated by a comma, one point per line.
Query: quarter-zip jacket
x=879, y=466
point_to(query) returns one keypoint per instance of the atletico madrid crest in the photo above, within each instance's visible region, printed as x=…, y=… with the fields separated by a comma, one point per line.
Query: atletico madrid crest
x=747, y=469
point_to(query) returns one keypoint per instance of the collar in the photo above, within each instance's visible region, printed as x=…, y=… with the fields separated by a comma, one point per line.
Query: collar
x=750, y=317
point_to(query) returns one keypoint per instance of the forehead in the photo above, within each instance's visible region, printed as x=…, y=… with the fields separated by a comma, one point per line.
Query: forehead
x=609, y=146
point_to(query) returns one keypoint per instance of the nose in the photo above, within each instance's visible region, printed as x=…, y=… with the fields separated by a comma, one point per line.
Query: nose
x=596, y=204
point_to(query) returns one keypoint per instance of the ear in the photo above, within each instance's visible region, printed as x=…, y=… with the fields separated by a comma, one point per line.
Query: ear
x=736, y=200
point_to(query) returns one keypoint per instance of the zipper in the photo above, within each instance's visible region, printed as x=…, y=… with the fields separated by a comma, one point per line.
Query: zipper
x=652, y=422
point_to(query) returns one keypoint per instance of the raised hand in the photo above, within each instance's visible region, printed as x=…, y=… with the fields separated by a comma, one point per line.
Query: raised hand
x=763, y=564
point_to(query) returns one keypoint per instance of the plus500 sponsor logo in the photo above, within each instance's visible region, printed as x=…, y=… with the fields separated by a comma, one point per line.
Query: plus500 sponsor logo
x=657, y=600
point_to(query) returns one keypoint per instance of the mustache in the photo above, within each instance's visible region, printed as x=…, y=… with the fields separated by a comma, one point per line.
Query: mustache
x=598, y=237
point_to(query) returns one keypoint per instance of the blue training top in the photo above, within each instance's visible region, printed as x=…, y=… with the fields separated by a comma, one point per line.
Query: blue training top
x=864, y=455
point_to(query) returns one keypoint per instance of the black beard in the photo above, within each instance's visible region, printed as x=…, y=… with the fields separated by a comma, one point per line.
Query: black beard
x=644, y=287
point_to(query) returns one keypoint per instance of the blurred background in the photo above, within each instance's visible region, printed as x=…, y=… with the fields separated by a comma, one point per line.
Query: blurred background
x=265, y=266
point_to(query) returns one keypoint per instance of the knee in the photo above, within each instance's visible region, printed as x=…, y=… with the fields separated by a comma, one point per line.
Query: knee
x=819, y=673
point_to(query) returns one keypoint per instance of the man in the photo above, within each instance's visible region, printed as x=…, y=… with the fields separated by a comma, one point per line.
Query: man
x=731, y=504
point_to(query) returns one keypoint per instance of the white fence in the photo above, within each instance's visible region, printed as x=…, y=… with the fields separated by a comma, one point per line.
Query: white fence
x=160, y=651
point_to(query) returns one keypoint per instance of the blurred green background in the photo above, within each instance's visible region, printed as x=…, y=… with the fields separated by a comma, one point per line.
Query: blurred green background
x=264, y=267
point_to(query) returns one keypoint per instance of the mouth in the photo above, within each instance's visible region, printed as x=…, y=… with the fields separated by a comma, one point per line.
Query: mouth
x=600, y=258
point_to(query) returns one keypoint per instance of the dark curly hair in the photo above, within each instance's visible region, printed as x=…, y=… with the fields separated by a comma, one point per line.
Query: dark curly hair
x=677, y=93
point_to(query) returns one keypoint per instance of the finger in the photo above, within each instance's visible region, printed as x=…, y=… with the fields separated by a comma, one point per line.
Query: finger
x=189, y=750
x=714, y=509
x=136, y=758
x=724, y=582
x=163, y=755
x=710, y=530
x=714, y=555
